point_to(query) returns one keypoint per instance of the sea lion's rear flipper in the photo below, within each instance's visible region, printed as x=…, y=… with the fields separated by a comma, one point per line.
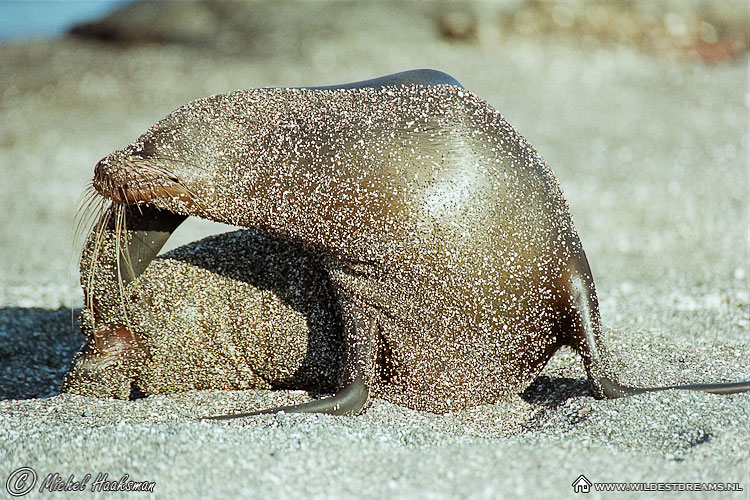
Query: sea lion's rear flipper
x=585, y=337
x=612, y=389
x=361, y=333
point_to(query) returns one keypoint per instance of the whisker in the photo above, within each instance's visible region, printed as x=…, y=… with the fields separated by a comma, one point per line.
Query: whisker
x=85, y=213
x=121, y=251
x=83, y=222
x=96, y=241
x=89, y=211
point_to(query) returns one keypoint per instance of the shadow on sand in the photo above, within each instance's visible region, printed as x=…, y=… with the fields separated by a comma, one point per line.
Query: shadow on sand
x=36, y=349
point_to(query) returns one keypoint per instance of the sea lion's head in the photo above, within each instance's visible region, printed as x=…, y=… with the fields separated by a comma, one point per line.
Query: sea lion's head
x=160, y=171
x=205, y=159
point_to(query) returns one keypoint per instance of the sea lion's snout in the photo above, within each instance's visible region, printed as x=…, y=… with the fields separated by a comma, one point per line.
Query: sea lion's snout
x=103, y=182
x=133, y=179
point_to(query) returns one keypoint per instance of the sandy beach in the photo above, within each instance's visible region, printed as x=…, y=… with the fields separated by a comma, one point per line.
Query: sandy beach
x=651, y=148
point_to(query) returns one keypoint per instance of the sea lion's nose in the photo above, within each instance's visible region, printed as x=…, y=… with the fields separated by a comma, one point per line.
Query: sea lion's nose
x=101, y=171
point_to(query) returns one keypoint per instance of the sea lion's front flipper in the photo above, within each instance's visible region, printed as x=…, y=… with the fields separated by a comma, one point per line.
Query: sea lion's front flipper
x=361, y=334
x=348, y=401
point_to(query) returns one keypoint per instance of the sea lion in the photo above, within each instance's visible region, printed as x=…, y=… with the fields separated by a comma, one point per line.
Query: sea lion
x=445, y=234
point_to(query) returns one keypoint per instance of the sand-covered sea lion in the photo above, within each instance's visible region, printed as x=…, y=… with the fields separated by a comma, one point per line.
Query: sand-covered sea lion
x=445, y=235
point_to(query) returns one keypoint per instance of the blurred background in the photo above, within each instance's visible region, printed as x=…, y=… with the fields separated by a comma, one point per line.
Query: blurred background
x=710, y=29
x=25, y=20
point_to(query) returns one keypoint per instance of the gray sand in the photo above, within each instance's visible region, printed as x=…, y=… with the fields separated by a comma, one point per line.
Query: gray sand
x=652, y=153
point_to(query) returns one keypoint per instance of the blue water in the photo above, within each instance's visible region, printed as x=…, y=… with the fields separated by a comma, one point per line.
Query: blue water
x=24, y=20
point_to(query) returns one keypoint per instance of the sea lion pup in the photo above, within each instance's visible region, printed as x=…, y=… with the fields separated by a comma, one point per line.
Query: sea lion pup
x=272, y=324
x=445, y=234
